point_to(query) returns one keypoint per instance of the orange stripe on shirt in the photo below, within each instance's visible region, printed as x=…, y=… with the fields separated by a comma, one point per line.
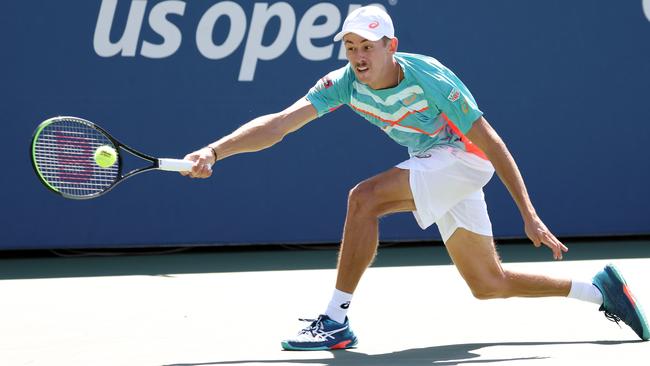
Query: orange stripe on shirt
x=397, y=122
x=469, y=146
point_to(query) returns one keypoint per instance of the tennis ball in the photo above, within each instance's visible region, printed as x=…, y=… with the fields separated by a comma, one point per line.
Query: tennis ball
x=105, y=156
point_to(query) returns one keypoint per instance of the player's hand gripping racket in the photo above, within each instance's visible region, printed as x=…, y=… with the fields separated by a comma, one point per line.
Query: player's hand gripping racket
x=79, y=160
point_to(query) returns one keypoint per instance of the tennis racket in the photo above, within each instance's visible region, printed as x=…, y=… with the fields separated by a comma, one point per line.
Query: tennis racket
x=63, y=156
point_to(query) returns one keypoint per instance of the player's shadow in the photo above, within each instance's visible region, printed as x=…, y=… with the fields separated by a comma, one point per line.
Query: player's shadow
x=453, y=354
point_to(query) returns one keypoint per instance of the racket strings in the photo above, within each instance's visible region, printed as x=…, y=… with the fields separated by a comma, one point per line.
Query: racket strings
x=64, y=155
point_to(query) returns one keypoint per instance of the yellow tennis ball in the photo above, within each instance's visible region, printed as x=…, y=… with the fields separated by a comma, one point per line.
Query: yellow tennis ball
x=105, y=156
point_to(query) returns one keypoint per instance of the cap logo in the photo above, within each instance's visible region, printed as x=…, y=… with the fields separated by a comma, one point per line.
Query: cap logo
x=373, y=25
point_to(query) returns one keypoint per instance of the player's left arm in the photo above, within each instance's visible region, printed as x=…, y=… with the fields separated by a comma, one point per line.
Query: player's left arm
x=487, y=139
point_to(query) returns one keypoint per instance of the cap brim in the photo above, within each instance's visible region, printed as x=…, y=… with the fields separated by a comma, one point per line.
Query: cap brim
x=360, y=32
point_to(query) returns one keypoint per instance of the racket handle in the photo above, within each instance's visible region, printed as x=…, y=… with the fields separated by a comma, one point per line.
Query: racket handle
x=175, y=165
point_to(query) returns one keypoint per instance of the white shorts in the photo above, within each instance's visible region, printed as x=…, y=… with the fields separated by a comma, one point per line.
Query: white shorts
x=447, y=187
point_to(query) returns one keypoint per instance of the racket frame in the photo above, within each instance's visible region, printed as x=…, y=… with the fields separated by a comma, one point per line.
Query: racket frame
x=118, y=145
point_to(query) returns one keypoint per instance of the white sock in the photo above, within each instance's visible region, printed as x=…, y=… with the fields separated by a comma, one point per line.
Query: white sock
x=338, y=306
x=585, y=291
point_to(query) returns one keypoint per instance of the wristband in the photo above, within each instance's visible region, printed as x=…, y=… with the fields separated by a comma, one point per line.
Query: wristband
x=214, y=152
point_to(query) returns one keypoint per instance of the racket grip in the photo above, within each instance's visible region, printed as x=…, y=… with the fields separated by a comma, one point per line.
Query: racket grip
x=175, y=165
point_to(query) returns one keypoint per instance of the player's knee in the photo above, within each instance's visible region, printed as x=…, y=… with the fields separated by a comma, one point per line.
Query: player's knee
x=363, y=199
x=489, y=288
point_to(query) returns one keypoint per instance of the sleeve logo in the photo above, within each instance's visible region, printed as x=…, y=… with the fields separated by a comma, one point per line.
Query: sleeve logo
x=454, y=95
x=324, y=83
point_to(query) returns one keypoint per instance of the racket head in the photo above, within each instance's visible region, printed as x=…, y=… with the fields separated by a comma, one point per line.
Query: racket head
x=62, y=154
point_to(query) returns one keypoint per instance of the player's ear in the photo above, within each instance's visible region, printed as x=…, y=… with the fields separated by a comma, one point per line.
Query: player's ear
x=393, y=45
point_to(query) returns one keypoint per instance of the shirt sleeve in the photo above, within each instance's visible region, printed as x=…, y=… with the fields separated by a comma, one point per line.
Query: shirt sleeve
x=453, y=99
x=331, y=91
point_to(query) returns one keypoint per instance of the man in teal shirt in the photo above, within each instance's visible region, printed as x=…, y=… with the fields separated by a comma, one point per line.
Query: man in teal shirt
x=454, y=151
x=416, y=113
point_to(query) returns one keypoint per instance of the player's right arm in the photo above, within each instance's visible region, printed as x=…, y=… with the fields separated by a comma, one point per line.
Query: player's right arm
x=329, y=93
x=258, y=134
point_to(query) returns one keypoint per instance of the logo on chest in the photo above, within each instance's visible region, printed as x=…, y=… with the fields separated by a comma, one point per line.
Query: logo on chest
x=410, y=99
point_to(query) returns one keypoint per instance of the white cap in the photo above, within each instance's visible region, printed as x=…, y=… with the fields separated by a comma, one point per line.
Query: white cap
x=369, y=22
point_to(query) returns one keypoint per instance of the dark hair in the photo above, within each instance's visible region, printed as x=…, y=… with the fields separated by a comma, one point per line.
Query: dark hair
x=386, y=40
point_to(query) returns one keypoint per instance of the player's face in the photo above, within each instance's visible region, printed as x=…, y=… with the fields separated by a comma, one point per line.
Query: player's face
x=370, y=60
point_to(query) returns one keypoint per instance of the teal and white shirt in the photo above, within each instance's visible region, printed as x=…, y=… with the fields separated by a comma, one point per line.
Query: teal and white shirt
x=429, y=107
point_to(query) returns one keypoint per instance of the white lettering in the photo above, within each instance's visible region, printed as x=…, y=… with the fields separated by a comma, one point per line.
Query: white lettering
x=237, y=18
x=171, y=35
x=307, y=31
x=646, y=8
x=129, y=41
x=254, y=50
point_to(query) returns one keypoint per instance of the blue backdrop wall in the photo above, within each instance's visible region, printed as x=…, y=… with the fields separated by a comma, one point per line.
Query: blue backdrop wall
x=566, y=84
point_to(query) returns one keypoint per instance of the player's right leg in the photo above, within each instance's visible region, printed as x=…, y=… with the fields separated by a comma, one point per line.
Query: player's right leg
x=618, y=301
x=477, y=261
x=385, y=193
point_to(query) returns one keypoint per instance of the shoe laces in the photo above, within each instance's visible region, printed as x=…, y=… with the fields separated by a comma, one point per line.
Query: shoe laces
x=315, y=328
x=613, y=317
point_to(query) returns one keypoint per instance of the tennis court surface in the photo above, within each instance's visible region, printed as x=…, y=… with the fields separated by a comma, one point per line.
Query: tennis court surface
x=215, y=307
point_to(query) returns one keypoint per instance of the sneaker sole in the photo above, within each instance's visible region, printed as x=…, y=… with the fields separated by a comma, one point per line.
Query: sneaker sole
x=341, y=345
x=611, y=269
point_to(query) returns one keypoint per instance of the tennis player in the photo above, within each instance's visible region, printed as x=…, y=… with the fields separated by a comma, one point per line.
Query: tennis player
x=454, y=151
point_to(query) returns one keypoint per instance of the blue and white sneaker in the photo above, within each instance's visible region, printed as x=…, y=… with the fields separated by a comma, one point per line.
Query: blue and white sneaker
x=322, y=334
x=618, y=302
